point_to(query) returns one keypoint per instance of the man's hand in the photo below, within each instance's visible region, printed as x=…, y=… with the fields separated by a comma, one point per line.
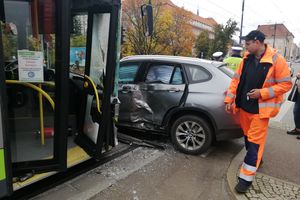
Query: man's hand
x=228, y=108
x=254, y=94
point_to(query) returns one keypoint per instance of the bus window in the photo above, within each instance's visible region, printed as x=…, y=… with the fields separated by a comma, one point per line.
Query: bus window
x=78, y=44
x=29, y=42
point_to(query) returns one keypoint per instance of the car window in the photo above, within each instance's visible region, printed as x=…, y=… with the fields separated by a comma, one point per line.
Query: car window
x=127, y=73
x=177, y=78
x=159, y=74
x=226, y=70
x=198, y=74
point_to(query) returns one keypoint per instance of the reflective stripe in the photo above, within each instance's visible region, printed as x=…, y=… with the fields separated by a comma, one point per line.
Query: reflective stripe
x=235, y=75
x=245, y=177
x=230, y=95
x=271, y=80
x=285, y=79
x=270, y=105
x=249, y=167
x=271, y=91
x=2, y=165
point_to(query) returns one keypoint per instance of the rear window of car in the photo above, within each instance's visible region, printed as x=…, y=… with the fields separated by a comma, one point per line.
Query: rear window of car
x=226, y=70
x=198, y=74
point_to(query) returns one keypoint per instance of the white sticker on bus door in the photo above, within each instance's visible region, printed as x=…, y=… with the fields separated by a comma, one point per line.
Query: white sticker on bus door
x=30, y=66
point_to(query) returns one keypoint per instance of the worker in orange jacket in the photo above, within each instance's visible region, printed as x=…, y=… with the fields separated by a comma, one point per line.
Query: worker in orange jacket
x=256, y=91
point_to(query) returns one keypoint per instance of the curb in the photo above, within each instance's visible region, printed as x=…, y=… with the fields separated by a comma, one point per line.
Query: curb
x=232, y=175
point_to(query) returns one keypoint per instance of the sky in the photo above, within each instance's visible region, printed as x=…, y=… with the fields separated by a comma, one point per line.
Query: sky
x=256, y=12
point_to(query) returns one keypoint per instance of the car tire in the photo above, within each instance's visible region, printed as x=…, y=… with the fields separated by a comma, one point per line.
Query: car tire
x=191, y=134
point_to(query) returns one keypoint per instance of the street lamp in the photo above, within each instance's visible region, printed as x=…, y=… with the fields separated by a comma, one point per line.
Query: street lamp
x=241, y=30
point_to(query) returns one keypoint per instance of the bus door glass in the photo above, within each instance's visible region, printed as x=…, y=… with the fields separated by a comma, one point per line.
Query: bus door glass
x=88, y=58
x=98, y=61
x=96, y=120
x=29, y=45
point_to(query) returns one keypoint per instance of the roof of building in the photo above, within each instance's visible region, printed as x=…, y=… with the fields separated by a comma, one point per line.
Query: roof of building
x=208, y=21
x=269, y=30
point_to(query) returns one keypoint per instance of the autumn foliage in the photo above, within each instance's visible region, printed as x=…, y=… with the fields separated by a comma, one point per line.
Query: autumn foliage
x=172, y=33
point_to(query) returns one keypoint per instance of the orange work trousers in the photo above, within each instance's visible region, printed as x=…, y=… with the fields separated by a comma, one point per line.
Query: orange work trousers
x=255, y=132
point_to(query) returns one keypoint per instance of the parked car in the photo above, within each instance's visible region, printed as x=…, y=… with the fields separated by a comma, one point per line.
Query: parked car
x=179, y=96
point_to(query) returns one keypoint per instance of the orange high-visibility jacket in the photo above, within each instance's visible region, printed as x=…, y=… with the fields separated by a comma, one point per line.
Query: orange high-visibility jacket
x=277, y=82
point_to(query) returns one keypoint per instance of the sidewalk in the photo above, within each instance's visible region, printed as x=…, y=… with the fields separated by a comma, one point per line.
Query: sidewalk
x=279, y=175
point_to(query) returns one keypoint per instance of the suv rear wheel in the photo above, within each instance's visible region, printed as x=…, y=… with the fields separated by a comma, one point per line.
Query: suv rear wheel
x=191, y=134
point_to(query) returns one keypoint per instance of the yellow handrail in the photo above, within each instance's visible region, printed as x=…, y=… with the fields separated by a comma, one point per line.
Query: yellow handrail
x=48, y=83
x=41, y=117
x=41, y=93
x=47, y=96
x=95, y=91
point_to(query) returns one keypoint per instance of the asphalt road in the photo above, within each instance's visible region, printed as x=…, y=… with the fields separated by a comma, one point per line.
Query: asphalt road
x=168, y=174
x=178, y=176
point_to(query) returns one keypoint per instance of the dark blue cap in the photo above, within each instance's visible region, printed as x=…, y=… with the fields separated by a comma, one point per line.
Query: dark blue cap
x=254, y=35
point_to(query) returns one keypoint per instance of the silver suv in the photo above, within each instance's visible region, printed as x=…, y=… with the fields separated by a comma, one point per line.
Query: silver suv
x=179, y=96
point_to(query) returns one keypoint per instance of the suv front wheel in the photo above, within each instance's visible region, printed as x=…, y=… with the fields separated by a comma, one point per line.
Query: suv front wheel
x=191, y=134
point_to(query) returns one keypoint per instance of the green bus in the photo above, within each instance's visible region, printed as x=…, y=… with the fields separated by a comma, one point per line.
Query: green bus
x=56, y=112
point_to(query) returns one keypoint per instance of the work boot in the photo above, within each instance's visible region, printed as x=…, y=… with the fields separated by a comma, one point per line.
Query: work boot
x=242, y=186
x=293, y=132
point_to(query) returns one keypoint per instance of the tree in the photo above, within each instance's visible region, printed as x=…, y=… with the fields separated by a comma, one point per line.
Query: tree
x=76, y=26
x=172, y=32
x=78, y=41
x=135, y=41
x=181, y=36
x=202, y=44
x=9, y=45
x=223, y=37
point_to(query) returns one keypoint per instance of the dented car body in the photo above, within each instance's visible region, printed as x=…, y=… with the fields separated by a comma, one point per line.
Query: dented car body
x=179, y=96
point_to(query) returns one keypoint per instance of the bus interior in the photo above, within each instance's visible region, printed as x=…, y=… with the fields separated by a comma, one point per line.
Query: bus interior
x=58, y=70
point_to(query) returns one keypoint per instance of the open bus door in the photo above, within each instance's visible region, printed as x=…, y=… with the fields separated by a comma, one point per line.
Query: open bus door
x=58, y=84
x=97, y=132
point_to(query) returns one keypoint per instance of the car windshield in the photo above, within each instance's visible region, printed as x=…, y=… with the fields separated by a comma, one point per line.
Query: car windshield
x=226, y=70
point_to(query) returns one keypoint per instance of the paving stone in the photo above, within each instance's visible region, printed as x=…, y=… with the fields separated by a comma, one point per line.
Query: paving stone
x=265, y=187
x=249, y=195
x=252, y=191
x=258, y=176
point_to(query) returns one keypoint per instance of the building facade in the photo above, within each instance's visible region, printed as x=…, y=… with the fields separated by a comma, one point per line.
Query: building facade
x=279, y=37
x=203, y=24
x=198, y=23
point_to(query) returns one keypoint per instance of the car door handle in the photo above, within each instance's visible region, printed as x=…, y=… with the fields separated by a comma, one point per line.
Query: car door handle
x=174, y=90
x=126, y=89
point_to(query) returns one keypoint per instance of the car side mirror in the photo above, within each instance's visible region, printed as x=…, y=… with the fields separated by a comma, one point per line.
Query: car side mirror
x=147, y=18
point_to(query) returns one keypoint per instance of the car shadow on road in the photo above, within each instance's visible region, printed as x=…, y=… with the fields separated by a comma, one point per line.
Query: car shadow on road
x=231, y=147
